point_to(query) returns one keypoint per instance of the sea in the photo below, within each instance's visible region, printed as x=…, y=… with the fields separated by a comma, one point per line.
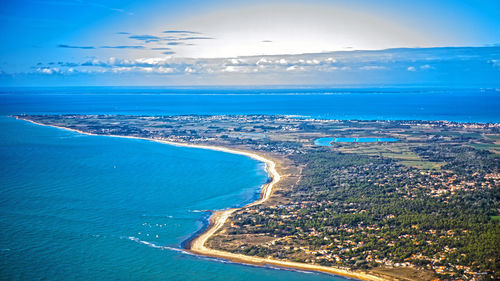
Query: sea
x=79, y=207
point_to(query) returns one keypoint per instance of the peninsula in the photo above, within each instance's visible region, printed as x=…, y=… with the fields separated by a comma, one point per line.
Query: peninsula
x=420, y=206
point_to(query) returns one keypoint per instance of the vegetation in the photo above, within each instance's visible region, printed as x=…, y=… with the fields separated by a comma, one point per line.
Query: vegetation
x=363, y=212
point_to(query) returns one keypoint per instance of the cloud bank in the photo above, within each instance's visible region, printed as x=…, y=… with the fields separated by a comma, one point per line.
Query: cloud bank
x=432, y=66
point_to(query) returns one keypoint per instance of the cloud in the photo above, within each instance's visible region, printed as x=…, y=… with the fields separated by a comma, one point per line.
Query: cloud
x=309, y=61
x=235, y=61
x=196, y=38
x=122, y=47
x=75, y=47
x=174, y=36
x=48, y=70
x=180, y=32
x=295, y=68
x=373, y=67
x=68, y=64
x=145, y=38
x=158, y=70
x=240, y=69
x=348, y=65
x=123, y=32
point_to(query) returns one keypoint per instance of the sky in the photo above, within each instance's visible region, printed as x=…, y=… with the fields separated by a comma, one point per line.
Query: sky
x=252, y=42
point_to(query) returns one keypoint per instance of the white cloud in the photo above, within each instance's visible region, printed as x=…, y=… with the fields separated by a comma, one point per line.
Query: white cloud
x=47, y=70
x=313, y=61
x=373, y=67
x=262, y=61
x=153, y=61
x=352, y=63
x=295, y=68
x=236, y=61
x=230, y=68
x=162, y=69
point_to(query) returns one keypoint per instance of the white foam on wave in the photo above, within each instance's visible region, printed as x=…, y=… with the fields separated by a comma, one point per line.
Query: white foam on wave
x=157, y=216
x=153, y=245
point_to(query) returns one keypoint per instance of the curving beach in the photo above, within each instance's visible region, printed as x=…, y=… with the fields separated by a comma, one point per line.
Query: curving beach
x=219, y=217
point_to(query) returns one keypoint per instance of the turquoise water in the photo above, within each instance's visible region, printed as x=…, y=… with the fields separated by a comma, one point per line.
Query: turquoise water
x=388, y=139
x=77, y=207
x=345, y=139
x=366, y=139
x=324, y=141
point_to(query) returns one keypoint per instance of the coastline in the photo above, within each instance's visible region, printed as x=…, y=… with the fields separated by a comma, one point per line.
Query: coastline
x=219, y=217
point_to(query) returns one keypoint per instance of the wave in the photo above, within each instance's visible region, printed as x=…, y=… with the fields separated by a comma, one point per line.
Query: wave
x=157, y=216
x=153, y=245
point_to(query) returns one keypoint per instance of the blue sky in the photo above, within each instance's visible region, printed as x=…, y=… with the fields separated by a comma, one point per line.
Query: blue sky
x=77, y=42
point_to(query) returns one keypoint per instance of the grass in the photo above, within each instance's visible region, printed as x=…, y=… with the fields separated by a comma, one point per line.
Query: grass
x=407, y=155
x=493, y=137
x=399, y=152
x=484, y=146
x=493, y=147
x=495, y=218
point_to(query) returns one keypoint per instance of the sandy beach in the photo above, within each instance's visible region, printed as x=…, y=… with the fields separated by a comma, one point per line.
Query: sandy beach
x=219, y=217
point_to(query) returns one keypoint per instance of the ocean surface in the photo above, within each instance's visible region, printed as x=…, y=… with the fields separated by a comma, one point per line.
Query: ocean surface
x=467, y=105
x=78, y=207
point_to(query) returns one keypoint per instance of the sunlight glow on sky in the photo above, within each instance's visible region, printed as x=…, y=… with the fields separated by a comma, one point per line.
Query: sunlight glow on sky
x=84, y=38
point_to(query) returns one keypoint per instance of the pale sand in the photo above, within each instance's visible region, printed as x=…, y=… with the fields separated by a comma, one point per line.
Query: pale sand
x=218, y=218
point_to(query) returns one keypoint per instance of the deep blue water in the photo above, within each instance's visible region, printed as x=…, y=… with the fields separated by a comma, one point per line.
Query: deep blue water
x=471, y=105
x=91, y=207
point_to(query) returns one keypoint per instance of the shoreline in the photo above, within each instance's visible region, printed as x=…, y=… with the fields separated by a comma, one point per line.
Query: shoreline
x=196, y=245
